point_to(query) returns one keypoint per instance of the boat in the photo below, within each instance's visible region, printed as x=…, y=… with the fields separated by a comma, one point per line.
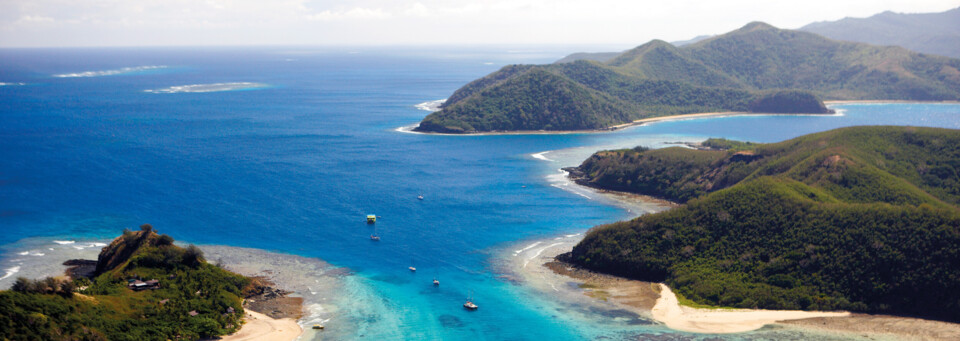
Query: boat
x=469, y=304
x=420, y=197
x=371, y=218
x=412, y=269
x=375, y=237
x=436, y=282
x=318, y=326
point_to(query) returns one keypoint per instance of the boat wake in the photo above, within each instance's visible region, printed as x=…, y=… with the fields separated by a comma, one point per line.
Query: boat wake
x=540, y=156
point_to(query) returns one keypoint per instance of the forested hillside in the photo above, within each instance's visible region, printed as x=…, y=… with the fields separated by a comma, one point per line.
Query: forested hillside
x=146, y=288
x=862, y=218
x=736, y=71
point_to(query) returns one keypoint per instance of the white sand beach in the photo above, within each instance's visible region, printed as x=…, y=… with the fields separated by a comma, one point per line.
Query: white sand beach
x=258, y=326
x=716, y=321
x=534, y=265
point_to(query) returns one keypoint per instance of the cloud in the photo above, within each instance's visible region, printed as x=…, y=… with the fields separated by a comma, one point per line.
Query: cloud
x=34, y=19
x=251, y=22
x=357, y=13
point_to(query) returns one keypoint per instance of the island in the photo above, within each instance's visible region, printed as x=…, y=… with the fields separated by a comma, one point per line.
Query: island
x=864, y=219
x=144, y=287
x=755, y=69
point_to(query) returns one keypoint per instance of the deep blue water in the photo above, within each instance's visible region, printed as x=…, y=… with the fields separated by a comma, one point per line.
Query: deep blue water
x=295, y=166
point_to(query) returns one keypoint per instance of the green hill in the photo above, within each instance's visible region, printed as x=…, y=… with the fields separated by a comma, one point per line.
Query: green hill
x=190, y=300
x=723, y=73
x=862, y=218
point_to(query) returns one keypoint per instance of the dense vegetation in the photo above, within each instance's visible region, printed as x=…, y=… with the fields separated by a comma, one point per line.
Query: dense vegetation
x=787, y=101
x=104, y=308
x=757, y=68
x=862, y=218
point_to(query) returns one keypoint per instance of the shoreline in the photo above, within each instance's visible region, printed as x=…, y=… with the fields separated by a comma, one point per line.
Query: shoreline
x=538, y=269
x=886, y=101
x=257, y=326
x=409, y=128
x=307, y=294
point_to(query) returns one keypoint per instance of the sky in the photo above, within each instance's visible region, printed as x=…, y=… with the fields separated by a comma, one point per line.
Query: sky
x=71, y=23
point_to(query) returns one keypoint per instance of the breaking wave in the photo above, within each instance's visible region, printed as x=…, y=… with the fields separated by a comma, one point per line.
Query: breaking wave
x=431, y=105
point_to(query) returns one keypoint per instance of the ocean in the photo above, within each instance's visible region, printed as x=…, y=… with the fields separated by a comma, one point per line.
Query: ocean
x=287, y=149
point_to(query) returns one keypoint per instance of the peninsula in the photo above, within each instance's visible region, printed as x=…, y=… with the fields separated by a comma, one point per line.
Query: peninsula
x=863, y=219
x=758, y=68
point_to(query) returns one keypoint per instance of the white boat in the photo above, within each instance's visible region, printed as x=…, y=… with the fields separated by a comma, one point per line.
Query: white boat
x=469, y=304
x=436, y=282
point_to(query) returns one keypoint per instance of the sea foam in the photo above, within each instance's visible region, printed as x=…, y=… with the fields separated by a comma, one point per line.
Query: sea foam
x=212, y=87
x=114, y=72
x=10, y=271
x=431, y=105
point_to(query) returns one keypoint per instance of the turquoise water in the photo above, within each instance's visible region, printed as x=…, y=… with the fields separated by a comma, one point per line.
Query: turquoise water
x=294, y=164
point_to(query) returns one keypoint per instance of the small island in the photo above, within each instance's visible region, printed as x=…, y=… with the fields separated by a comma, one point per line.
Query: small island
x=755, y=69
x=864, y=219
x=141, y=287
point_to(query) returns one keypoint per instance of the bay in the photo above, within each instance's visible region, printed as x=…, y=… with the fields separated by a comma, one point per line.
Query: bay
x=293, y=147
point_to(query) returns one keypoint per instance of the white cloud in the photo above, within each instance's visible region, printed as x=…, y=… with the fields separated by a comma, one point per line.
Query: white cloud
x=31, y=19
x=356, y=13
x=200, y=22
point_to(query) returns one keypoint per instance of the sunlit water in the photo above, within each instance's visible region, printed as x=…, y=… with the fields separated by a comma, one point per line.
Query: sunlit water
x=295, y=163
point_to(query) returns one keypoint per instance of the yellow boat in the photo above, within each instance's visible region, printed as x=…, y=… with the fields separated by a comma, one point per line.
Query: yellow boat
x=371, y=218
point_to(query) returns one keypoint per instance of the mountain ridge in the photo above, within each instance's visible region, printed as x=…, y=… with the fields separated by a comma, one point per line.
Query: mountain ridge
x=719, y=74
x=933, y=33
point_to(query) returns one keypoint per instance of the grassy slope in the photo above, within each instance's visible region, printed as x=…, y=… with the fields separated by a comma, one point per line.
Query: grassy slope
x=857, y=218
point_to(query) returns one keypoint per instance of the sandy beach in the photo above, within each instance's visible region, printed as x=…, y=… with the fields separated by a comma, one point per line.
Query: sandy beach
x=409, y=128
x=721, y=321
x=534, y=265
x=258, y=326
